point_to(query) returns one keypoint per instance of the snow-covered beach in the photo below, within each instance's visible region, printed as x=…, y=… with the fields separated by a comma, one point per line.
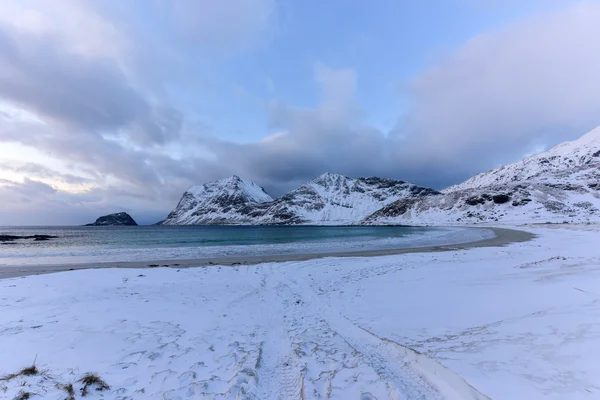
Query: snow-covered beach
x=513, y=322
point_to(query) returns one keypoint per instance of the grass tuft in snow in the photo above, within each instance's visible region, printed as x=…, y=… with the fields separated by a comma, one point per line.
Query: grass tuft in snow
x=22, y=395
x=68, y=387
x=91, y=380
x=29, y=371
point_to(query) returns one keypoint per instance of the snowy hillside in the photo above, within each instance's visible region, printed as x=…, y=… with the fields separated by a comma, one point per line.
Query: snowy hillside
x=562, y=184
x=335, y=199
x=567, y=163
x=329, y=199
x=219, y=202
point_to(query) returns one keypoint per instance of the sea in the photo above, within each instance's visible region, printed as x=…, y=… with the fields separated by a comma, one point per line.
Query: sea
x=76, y=245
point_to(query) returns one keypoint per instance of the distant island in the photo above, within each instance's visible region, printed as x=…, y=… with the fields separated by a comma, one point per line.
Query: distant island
x=117, y=219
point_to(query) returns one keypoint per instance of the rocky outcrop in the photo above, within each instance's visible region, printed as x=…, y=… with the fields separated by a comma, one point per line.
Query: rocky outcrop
x=118, y=219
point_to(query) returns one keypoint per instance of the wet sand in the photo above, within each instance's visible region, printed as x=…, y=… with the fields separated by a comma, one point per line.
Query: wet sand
x=503, y=237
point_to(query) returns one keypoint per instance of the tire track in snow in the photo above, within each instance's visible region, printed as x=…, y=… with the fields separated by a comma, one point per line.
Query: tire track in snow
x=408, y=374
x=279, y=375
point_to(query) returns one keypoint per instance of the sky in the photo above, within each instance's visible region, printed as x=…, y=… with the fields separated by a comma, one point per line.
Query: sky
x=121, y=105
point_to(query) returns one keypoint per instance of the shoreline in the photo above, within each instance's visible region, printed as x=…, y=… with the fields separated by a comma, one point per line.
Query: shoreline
x=503, y=237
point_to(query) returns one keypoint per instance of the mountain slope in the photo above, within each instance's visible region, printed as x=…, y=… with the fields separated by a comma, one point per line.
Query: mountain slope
x=336, y=199
x=561, y=184
x=225, y=201
x=329, y=199
x=558, y=165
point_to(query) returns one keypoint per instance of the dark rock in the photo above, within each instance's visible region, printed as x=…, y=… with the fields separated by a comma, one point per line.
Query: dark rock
x=584, y=204
x=521, y=202
x=118, y=219
x=475, y=200
x=554, y=205
x=563, y=186
x=596, y=154
x=8, y=238
x=501, y=198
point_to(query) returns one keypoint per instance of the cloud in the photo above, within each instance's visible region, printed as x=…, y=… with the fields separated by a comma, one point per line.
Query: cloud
x=29, y=189
x=32, y=202
x=79, y=97
x=338, y=92
x=103, y=99
x=504, y=92
x=327, y=137
x=501, y=95
x=78, y=91
x=43, y=172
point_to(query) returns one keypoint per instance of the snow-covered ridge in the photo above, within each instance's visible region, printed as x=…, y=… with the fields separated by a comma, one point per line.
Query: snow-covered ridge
x=329, y=199
x=556, y=164
x=231, y=187
x=217, y=202
x=561, y=184
x=333, y=199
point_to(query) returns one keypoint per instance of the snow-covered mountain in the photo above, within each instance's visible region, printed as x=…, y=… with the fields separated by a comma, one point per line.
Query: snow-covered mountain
x=333, y=199
x=561, y=184
x=559, y=165
x=329, y=199
x=226, y=201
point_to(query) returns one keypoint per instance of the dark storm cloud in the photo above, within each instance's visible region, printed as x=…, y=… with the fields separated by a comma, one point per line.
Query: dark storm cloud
x=88, y=86
x=29, y=189
x=504, y=94
x=82, y=92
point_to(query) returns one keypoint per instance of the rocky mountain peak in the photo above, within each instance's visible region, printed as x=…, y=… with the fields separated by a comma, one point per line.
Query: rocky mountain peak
x=329, y=178
x=216, y=202
x=232, y=187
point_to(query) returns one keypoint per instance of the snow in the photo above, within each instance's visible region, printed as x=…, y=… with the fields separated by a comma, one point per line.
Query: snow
x=561, y=164
x=515, y=322
x=217, y=201
x=329, y=199
x=333, y=199
x=562, y=184
x=230, y=186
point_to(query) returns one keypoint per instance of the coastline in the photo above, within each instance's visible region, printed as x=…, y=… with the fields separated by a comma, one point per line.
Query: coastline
x=503, y=237
x=440, y=314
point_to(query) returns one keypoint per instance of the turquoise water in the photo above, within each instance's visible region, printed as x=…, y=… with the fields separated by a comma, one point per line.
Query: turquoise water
x=106, y=244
